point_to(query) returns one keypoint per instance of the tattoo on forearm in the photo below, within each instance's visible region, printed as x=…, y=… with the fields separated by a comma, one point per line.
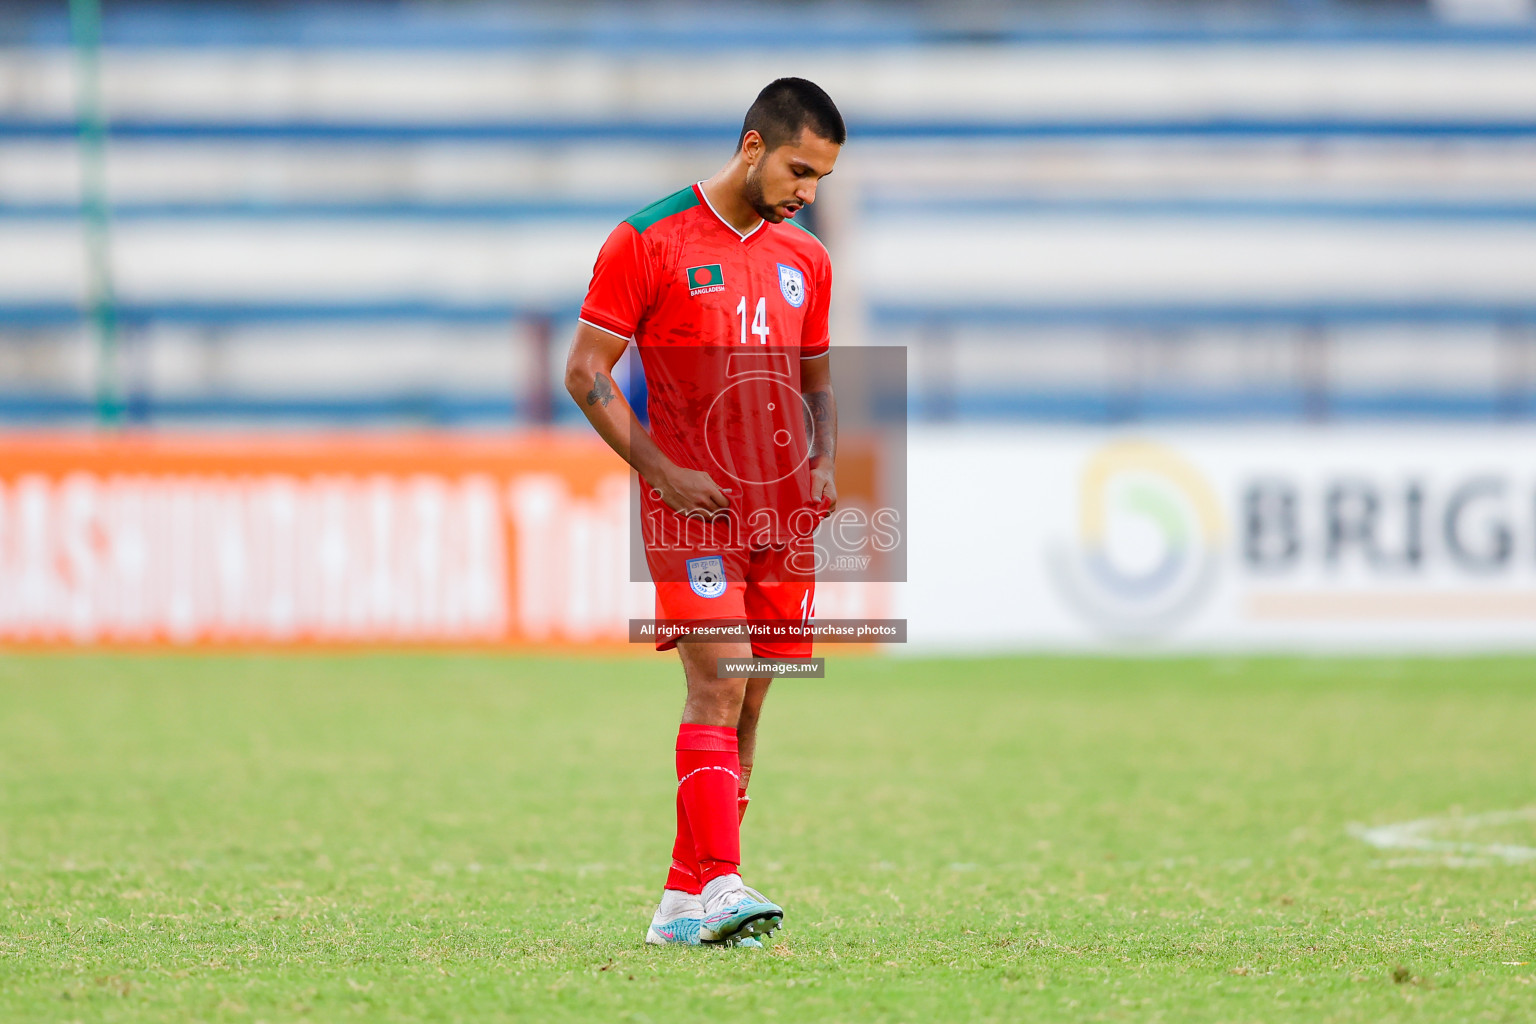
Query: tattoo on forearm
x=602, y=391
x=823, y=423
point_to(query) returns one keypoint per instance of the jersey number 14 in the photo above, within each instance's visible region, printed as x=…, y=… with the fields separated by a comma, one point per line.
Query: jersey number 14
x=759, y=320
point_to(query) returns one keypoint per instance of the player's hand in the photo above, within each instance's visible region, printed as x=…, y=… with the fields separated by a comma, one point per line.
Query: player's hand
x=823, y=490
x=691, y=492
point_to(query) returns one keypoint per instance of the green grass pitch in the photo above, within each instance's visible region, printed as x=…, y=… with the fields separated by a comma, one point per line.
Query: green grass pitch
x=416, y=837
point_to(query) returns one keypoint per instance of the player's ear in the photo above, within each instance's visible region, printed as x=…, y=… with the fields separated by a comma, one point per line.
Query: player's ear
x=752, y=146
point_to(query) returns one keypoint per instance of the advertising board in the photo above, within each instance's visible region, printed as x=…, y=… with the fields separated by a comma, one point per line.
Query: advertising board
x=506, y=541
x=1315, y=538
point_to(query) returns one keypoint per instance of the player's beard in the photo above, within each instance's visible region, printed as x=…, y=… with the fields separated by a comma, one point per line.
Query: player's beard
x=753, y=194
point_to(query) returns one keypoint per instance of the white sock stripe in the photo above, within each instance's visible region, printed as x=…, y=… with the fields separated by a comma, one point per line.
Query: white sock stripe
x=709, y=768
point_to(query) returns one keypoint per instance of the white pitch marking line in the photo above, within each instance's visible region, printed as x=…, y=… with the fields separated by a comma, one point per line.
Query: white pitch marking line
x=1412, y=835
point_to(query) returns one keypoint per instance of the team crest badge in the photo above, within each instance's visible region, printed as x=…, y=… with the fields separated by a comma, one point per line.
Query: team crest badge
x=707, y=576
x=792, y=284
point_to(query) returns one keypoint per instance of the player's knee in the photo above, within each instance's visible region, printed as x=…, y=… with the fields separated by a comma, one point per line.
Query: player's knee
x=725, y=691
x=714, y=702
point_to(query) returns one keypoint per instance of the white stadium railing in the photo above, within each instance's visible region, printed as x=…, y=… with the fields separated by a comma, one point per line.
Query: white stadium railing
x=308, y=185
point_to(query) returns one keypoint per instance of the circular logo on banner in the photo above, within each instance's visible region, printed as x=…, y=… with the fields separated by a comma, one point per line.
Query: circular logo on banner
x=1149, y=540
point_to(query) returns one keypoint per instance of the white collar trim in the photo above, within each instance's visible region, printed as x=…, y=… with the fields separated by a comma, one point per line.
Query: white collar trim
x=743, y=236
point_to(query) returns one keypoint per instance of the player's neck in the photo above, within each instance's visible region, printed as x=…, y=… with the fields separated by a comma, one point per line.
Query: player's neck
x=725, y=192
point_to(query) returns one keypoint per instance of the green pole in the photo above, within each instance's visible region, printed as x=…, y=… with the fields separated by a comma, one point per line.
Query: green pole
x=101, y=304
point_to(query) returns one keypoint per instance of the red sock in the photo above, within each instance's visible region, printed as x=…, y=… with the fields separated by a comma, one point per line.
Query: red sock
x=707, y=776
x=684, y=875
x=741, y=792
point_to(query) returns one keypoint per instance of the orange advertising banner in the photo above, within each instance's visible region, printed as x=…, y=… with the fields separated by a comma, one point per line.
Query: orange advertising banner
x=314, y=540
x=515, y=540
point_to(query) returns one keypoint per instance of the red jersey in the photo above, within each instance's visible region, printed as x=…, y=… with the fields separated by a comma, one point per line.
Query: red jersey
x=721, y=320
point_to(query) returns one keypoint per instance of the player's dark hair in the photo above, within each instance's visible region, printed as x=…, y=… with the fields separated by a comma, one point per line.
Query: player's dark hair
x=787, y=107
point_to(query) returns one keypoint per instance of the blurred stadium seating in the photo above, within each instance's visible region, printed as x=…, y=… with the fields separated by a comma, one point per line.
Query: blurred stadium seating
x=386, y=215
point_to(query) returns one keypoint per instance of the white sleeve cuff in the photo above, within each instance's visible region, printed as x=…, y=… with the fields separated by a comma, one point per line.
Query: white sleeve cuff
x=605, y=330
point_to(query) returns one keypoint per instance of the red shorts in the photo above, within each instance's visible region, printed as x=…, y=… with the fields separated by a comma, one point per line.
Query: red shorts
x=759, y=586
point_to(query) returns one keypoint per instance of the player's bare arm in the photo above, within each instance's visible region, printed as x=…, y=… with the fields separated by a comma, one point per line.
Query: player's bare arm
x=821, y=405
x=589, y=379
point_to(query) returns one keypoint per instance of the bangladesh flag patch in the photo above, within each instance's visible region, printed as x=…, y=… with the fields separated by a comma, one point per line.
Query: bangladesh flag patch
x=705, y=279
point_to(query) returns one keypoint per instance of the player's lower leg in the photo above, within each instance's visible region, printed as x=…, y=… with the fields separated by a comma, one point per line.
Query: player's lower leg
x=680, y=913
x=677, y=917
x=755, y=693
x=683, y=875
x=708, y=775
x=709, y=783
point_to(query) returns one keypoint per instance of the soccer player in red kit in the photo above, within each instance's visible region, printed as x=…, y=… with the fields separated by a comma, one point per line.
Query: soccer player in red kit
x=726, y=300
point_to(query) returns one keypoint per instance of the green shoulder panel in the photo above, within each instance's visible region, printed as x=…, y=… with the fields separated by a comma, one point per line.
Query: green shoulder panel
x=794, y=223
x=661, y=209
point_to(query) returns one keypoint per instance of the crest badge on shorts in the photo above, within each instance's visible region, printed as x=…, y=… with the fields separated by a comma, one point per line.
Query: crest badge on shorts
x=792, y=285
x=707, y=575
